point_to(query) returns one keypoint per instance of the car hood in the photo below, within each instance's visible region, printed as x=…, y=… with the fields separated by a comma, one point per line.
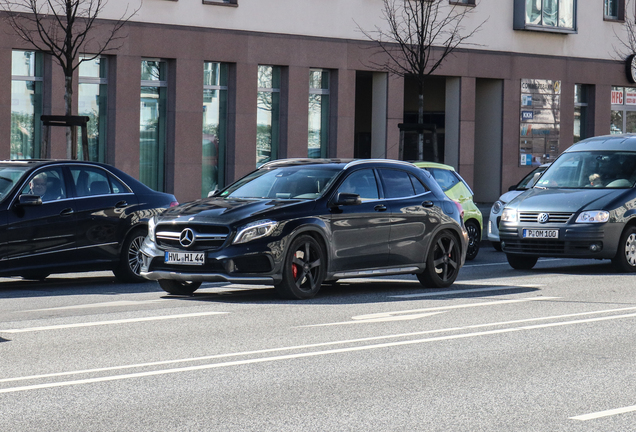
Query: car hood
x=510, y=195
x=565, y=200
x=228, y=210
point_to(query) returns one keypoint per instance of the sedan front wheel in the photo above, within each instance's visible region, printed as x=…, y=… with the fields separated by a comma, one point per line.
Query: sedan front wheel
x=303, y=269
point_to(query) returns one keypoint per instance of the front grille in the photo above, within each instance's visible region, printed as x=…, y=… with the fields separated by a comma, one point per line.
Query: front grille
x=206, y=237
x=555, y=217
x=548, y=247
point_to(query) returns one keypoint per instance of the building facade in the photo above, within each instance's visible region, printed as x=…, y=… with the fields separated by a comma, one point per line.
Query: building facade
x=199, y=93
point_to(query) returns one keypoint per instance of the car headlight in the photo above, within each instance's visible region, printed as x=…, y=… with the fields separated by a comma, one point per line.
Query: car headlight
x=254, y=230
x=595, y=216
x=497, y=206
x=152, y=223
x=509, y=215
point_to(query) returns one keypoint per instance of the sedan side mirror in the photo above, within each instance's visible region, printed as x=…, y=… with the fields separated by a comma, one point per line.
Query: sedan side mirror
x=344, y=198
x=26, y=200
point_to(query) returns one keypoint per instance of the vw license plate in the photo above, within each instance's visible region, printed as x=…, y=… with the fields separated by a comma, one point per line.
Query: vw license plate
x=185, y=258
x=541, y=233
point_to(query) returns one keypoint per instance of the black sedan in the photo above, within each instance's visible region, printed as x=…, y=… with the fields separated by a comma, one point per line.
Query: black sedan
x=73, y=216
x=296, y=223
x=583, y=206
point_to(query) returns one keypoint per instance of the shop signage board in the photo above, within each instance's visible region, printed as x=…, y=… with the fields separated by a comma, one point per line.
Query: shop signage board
x=540, y=120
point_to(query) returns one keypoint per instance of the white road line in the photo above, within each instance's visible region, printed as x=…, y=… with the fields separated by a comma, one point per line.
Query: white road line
x=607, y=413
x=292, y=356
x=391, y=316
x=462, y=291
x=100, y=323
x=101, y=305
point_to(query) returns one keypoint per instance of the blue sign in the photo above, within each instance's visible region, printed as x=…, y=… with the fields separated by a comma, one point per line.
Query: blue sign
x=527, y=115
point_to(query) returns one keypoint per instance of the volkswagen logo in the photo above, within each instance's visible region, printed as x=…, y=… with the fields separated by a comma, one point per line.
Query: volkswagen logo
x=186, y=238
x=543, y=217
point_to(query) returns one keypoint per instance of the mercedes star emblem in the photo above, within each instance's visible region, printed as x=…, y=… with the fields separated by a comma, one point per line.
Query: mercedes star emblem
x=186, y=238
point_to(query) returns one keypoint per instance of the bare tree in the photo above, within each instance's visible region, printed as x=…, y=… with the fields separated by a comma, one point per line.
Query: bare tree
x=420, y=35
x=64, y=29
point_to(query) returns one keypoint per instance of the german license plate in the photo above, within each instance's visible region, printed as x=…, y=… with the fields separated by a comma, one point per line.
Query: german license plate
x=185, y=258
x=541, y=233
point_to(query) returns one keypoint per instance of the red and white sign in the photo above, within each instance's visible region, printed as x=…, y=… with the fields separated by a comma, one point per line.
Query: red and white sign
x=617, y=97
x=630, y=97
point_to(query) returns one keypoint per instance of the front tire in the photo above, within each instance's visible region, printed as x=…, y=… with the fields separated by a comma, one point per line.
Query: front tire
x=179, y=287
x=130, y=259
x=474, y=237
x=521, y=262
x=442, y=263
x=303, y=269
x=625, y=259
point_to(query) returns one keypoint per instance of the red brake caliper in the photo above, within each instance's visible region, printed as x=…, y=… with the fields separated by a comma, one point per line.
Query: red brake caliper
x=295, y=271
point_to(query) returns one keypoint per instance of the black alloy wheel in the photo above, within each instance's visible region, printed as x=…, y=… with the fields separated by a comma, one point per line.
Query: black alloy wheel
x=184, y=288
x=474, y=237
x=130, y=261
x=442, y=263
x=521, y=262
x=625, y=259
x=303, y=269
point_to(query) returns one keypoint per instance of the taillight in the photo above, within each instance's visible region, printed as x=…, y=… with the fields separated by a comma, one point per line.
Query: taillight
x=460, y=209
x=174, y=203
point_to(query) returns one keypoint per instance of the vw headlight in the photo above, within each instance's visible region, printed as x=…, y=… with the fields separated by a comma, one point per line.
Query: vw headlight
x=497, y=206
x=509, y=215
x=254, y=230
x=595, y=216
x=152, y=223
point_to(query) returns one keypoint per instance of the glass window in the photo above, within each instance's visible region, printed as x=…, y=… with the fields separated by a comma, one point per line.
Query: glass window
x=580, y=111
x=445, y=178
x=48, y=184
x=92, y=103
x=611, y=8
x=26, y=104
x=268, y=113
x=318, y=113
x=397, y=184
x=417, y=185
x=361, y=182
x=544, y=15
x=214, y=126
x=152, y=123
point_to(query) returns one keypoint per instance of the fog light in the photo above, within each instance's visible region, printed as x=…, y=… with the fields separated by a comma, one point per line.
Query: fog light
x=503, y=244
x=595, y=247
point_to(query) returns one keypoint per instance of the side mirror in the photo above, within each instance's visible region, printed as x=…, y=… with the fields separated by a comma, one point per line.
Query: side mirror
x=343, y=199
x=513, y=187
x=26, y=200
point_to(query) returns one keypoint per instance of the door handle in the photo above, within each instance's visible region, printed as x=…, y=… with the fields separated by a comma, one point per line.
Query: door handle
x=121, y=204
x=67, y=212
x=428, y=204
x=380, y=207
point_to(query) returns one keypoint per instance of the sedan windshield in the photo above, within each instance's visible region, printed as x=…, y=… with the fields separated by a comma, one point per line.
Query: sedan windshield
x=298, y=182
x=591, y=169
x=9, y=176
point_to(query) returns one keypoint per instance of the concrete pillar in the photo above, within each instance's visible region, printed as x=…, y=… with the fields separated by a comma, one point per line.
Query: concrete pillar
x=467, y=129
x=395, y=115
x=379, y=117
x=342, y=119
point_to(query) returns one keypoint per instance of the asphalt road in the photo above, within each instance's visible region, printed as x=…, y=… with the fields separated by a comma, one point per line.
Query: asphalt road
x=551, y=349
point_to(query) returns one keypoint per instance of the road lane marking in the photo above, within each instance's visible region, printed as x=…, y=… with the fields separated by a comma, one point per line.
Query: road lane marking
x=461, y=291
x=386, y=316
x=606, y=413
x=101, y=323
x=302, y=355
x=100, y=305
x=310, y=354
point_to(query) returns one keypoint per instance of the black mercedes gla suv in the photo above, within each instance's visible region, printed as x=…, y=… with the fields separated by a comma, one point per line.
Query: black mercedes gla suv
x=583, y=206
x=296, y=223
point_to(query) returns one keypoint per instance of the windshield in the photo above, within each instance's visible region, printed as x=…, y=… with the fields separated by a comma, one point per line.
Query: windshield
x=529, y=180
x=9, y=176
x=298, y=182
x=591, y=169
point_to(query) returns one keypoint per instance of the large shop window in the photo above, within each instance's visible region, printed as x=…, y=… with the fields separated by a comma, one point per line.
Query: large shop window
x=152, y=124
x=92, y=100
x=26, y=104
x=545, y=15
x=268, y=114
x=318, y=113
x=623, y=116
x=215, y=77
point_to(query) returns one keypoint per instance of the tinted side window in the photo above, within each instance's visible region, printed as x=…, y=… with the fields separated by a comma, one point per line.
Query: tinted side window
x=417, y=185
x=445, y=178
x=397, y=183
x=362, y=183
x=48, y=184
x=90, y=181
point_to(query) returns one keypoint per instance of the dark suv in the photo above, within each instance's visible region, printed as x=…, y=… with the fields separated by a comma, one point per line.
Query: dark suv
x=296, y=223
x=582, y=206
